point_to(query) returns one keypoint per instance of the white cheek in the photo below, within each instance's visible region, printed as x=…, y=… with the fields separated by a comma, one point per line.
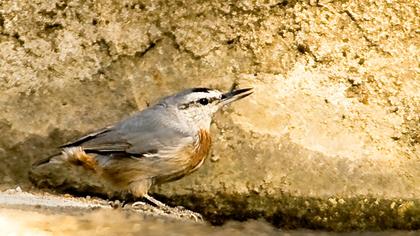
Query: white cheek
x=204, y=123
x=204, y=119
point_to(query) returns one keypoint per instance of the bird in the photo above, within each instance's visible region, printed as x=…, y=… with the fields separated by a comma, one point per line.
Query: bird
x=162, y=143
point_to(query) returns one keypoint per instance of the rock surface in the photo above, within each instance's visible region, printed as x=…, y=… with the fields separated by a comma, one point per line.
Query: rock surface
x=69, y=205
x=23, y=213
x=331, y=133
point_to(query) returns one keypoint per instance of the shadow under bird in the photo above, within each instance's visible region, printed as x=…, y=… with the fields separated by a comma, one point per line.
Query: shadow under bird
x=162, y=143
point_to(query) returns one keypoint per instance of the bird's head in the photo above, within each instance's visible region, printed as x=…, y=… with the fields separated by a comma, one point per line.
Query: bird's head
x=196, y=106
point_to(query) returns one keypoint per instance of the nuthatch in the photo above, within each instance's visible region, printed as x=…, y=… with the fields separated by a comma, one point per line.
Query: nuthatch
x=162, y=143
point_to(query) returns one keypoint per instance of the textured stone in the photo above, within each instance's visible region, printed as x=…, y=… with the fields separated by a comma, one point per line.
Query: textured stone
x=335, y=113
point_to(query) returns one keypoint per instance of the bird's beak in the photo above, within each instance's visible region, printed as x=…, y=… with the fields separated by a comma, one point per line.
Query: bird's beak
x=235, y=95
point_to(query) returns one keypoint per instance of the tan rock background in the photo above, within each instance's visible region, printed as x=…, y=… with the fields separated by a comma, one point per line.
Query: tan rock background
x=331, y=133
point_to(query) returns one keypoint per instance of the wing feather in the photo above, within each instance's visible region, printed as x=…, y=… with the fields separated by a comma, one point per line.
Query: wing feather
x=87, y=137
x=137, y=135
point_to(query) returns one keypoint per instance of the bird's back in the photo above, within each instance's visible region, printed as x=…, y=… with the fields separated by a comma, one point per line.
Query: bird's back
x=144, y=132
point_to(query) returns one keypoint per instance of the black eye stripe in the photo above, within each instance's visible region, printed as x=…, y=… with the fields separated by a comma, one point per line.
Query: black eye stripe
x=199, y=102
x=202, y=90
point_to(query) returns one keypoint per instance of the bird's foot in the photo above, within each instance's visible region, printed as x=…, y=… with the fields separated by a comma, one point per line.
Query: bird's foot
x=116, y=204
x=138, y=204
x=183, y=212
x=178, y=211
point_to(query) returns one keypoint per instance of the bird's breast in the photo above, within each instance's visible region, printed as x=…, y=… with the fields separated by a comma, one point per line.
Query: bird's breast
x=173, y=165
x=201, y=149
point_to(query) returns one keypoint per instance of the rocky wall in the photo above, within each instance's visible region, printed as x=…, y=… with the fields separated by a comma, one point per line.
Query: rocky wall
x=331, y=132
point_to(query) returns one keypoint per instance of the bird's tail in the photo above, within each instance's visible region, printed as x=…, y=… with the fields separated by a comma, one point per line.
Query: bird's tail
x=71, y=170
x=72, y=155
x=77, y=156
x=45, y=160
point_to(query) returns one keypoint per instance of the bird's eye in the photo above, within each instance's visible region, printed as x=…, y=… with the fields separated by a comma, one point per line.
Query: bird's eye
x=203, y=101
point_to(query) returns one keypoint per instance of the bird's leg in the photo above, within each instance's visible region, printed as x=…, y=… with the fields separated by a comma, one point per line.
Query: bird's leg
x=140, y=188
x=178, y=211
x=151, y=199
x=156, y=202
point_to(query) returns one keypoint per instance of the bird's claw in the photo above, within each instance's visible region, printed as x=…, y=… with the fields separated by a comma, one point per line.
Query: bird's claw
x=138, y=204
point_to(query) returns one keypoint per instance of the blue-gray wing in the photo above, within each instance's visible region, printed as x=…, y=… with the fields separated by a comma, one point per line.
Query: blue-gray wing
x=144, y=132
